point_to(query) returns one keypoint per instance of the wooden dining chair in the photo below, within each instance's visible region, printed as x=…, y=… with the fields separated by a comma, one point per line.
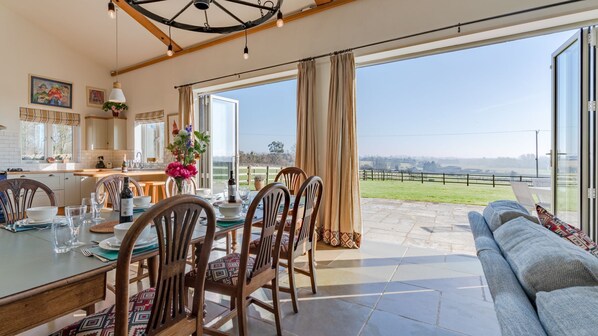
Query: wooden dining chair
x=16, y=196
x=171, y=186
x=113, y=185
x=300, y=238
x=238, y=275
x=292, y=177
x=163, y=309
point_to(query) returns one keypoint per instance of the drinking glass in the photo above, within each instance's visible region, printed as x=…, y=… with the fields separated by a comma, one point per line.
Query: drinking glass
x=75, y=215
x=62, y=236
x=244, y=195
x=88, y=204
x=97, y=200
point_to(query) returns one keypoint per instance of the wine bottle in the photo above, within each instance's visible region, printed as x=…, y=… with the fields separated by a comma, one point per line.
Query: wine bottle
x=232, y=189
x=126, y=203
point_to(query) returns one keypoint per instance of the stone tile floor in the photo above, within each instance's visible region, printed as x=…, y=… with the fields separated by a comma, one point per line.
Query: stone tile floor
x=415, y=274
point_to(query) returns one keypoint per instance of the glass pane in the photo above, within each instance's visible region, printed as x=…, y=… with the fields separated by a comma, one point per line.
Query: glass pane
x=33, y=141
x=62, y=142
x=149, y=141
x=568, y=106
x=223, y=141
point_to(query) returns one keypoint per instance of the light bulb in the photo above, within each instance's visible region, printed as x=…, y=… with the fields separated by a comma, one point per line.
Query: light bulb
x=169, y=52
x=279, y=20
x=246, y=53
x=111, y=10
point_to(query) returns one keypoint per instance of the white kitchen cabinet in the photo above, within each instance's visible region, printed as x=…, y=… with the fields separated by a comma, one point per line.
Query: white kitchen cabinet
x=54, y=181
x=72, y=189
x=105, y=133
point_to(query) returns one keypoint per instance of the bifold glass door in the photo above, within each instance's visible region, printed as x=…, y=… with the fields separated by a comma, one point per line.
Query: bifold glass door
x=573, y=138
x=220, y=117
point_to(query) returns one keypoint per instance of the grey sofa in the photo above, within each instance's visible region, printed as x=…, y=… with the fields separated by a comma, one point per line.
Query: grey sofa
x=534, y=275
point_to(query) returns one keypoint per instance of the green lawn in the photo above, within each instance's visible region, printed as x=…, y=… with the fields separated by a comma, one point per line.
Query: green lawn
x=435, y=192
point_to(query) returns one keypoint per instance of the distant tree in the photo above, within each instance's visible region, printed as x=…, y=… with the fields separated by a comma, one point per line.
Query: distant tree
x=276, y=147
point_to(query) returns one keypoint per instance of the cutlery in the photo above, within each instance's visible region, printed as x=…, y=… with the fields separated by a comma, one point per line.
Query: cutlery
x=86, y=252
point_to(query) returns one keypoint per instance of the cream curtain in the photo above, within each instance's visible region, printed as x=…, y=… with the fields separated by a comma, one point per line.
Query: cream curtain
x=342, y=208
x=306, y=154
x=186, y=108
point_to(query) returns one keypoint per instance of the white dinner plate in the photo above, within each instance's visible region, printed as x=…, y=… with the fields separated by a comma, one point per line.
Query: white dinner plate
x=230, y=219
x=143, y=207
x=29, y=221
x=112, y=244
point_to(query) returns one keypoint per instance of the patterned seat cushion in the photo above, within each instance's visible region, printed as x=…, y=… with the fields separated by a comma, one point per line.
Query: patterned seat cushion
x=102, y=323
x=284, y=246
x=564, y=230
x=224, y=270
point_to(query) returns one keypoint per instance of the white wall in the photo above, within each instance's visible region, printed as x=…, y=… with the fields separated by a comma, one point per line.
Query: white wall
x=30, y=50
x=353, y=24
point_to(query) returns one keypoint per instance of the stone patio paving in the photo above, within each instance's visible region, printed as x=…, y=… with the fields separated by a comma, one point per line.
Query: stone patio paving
x=440, y=226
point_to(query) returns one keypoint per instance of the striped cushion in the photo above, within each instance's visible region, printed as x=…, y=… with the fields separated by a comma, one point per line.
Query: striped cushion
x=102, y=323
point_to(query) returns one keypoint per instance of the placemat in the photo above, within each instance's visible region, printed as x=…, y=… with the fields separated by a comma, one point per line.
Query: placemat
x=229, y=224
x=113, y=255
x=105, y=227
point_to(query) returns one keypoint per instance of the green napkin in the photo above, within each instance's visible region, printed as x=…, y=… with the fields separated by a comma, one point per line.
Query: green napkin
x=229, y=224
x=113, y=255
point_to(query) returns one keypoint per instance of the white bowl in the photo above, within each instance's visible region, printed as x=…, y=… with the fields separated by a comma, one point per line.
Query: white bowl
x=230, y=209
x=120, y=231
x=42, y=213
x=203, y=192
x=142, y=201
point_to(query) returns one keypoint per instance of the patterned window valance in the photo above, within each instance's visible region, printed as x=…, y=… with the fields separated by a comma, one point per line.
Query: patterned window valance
x=49, y=117
x=149, y=117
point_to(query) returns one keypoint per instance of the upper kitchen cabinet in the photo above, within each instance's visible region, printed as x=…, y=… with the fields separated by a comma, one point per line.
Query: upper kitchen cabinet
x=105, y=133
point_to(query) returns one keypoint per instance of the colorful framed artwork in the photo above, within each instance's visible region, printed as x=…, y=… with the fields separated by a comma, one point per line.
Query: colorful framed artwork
x=51, y=92
x=170, y=119
x=95, y=97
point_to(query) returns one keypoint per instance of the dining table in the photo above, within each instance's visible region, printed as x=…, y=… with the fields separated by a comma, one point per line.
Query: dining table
x=39, y=285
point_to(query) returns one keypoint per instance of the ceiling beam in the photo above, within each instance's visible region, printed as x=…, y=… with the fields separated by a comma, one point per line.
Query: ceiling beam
x=322, y=2
x=204, y=45
x=147, y=24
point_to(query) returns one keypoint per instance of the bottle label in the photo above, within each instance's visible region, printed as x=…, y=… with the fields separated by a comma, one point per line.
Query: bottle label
x=232, y=192
x=126, y=207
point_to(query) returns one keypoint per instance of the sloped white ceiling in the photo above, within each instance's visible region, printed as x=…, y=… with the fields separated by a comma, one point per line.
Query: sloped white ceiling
x=84, y=25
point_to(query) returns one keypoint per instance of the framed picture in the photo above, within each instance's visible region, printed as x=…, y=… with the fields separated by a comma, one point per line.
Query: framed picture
x=170, y=119
x=95, y=97
x=51, y=92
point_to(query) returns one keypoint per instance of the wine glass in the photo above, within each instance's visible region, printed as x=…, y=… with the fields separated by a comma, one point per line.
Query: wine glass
x=75, y=215
x=244, y=195
x=88, y=204
x=97, y=200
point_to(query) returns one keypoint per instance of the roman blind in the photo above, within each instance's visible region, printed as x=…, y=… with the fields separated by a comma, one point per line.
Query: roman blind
x=149, y=117
x=49, y=117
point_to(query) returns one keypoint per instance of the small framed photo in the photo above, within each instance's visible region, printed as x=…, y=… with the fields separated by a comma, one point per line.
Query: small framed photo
x=95, y=97
x=51, y=92
x=170, y=120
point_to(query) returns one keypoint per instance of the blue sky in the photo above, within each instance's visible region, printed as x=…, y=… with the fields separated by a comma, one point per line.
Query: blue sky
x=422, y=107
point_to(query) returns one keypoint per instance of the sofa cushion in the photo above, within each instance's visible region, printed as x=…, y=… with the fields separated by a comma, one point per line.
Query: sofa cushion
x=541, y=260
x=564, y=230
x=569, y=311
x=499, y=212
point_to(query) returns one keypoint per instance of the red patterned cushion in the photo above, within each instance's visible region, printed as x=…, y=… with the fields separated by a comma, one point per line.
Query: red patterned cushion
x=284, y=245
x=102, y=323
x=226, y=269
x=573, y=234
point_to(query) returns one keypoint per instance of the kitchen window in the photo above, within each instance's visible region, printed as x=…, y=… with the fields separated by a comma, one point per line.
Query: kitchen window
x=149, y=136
x=48, y=134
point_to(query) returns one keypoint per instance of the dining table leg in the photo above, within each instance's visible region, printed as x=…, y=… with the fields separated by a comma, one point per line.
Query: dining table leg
x=152, y=268
x=233, y=240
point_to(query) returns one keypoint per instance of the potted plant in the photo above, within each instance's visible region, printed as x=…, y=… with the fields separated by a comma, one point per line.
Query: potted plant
x=115, y=108
x=258, y=182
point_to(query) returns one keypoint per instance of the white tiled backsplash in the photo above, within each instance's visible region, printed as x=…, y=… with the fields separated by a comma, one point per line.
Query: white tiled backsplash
x=10, y=156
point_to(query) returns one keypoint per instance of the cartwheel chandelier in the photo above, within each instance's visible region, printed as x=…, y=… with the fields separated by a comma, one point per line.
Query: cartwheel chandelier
x=264, y=10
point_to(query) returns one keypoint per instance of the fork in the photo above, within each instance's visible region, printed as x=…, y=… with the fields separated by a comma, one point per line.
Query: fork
x=86, y=252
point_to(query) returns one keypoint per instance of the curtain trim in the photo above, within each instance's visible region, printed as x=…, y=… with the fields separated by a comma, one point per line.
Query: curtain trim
x=49, y=117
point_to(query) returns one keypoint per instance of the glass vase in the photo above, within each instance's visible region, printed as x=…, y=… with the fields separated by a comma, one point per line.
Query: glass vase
x=184, y=187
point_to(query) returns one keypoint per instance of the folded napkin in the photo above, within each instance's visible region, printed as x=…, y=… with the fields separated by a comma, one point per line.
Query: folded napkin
x=113, y=255
x=225, y=224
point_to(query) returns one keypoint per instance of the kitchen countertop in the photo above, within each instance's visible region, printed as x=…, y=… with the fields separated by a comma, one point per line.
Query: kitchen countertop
x=106, y=172
x=53, y=171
